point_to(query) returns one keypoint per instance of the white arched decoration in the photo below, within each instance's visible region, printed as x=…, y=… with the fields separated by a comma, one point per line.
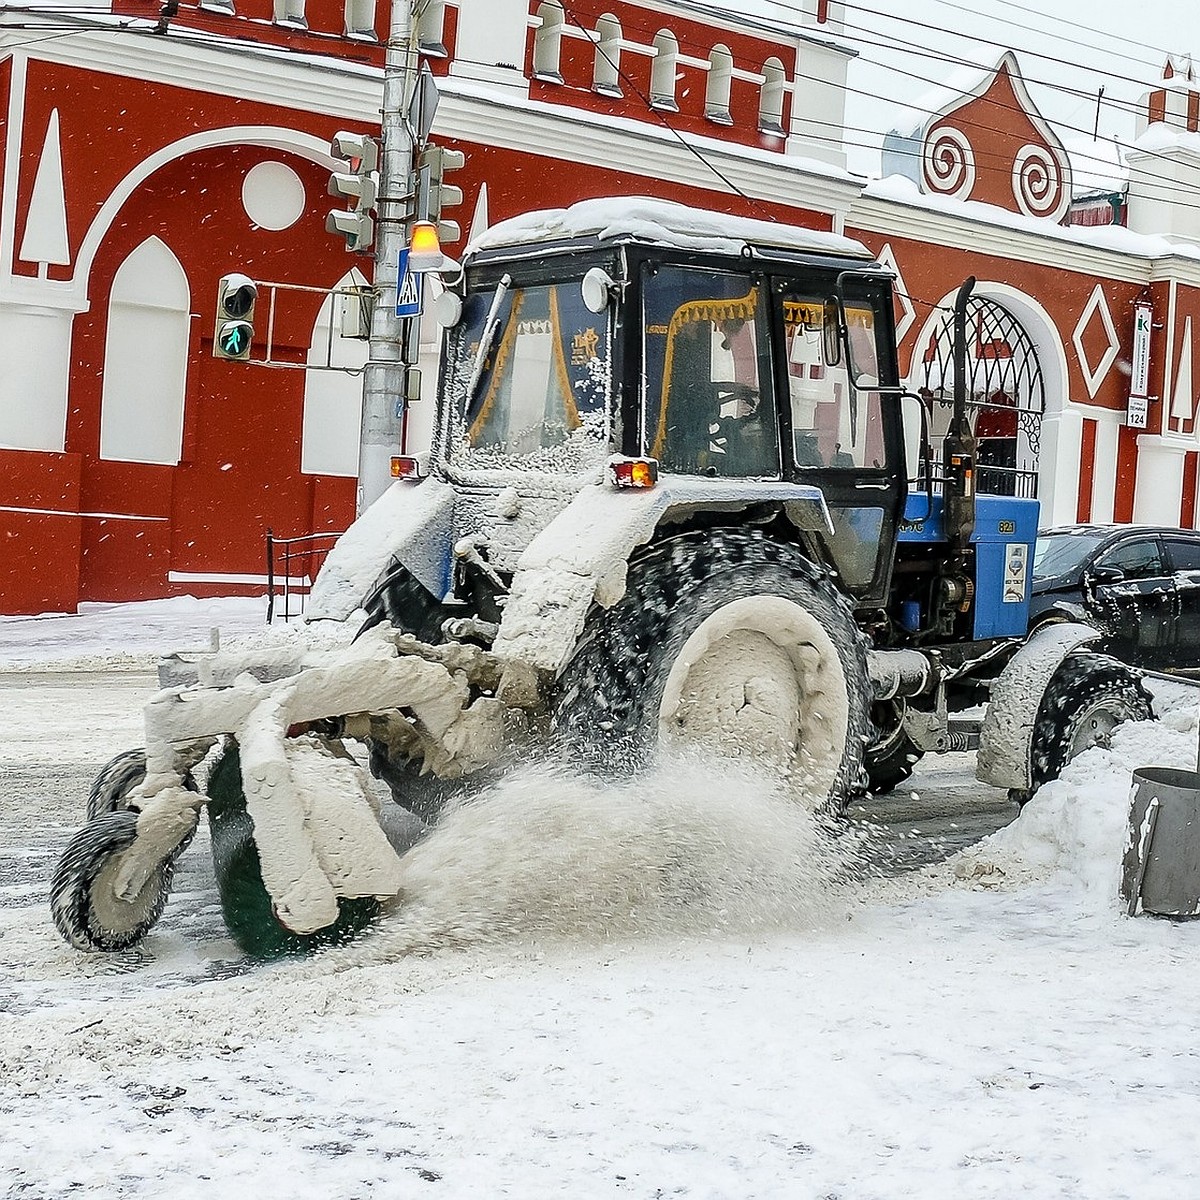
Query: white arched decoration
x=606, y=72
x=547, y=42
x=272, y=137
x=431, y=28
x=770, y=100
x=720, y=82
x=359, y=18
x=663, y=71
x=333, y=399
x=145, y=358
x=1062, y=423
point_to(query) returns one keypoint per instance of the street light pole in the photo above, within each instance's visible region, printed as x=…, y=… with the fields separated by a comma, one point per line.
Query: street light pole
x=386, y=373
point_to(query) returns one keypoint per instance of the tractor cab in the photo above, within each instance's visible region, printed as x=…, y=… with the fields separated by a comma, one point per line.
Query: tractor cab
x=708, y=347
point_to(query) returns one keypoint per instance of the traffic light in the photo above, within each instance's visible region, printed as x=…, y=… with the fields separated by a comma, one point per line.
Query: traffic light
x=359, y=185
x=234, y=331
x=434, y=194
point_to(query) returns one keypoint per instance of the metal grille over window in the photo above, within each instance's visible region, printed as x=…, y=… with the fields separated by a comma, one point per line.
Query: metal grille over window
x=1006, y=395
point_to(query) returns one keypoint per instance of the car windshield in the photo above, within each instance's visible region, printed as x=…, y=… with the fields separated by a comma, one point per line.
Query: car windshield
x=531, y=365
x=1060, y=553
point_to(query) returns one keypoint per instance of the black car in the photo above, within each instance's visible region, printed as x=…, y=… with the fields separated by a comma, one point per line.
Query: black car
x=1138, y=584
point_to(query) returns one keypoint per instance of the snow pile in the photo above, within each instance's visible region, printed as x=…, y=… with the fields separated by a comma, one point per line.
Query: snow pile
x=103, y=636
x=663, y=222
x=134, y=636
x=1073, y=830
x=690, y=847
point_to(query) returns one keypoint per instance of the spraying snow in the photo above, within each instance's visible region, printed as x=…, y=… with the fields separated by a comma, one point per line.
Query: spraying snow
x=690, y=847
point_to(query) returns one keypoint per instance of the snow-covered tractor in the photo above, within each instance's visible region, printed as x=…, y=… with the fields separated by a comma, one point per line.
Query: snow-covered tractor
x=668, y=502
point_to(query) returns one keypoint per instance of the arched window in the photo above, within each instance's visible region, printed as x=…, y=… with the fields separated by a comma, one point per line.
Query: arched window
x=333, y=399
x=431, y=28
x=547, y=42
x=290, y=13
x=145, y=358
x=770, y=100
x=662, y=73
x=360, y=19
x=606, y=75
x=720, y=79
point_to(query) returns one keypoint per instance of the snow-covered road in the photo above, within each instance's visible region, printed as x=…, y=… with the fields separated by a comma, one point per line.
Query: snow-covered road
x=988, y=1027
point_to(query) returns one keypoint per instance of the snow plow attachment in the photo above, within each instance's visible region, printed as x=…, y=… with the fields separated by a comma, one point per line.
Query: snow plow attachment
x=301, y=853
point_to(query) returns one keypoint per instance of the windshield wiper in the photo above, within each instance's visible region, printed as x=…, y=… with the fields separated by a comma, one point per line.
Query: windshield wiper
x=485, y=342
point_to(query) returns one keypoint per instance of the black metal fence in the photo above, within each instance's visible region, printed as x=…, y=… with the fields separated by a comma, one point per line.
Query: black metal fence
x=292, y=565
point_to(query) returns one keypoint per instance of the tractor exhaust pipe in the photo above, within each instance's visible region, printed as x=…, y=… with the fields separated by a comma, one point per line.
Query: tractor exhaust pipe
x=959, y=448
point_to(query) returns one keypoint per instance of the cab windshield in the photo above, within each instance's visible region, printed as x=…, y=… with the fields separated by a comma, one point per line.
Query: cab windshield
x=532, y=368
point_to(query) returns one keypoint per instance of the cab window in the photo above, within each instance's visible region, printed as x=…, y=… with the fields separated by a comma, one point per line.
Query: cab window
x=833, y=425
x=707, y=403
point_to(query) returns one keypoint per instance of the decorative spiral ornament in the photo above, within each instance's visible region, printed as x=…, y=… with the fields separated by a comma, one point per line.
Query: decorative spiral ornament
x=1037, y=182
x=949, y=162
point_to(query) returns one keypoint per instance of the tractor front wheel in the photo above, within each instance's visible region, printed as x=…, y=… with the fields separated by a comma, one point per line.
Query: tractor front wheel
x=1087, y=698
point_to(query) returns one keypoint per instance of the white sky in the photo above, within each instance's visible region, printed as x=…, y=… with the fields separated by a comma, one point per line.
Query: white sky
x=1066, y=49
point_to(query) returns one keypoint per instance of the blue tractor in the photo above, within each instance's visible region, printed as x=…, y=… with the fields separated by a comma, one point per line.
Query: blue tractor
x=668, y=503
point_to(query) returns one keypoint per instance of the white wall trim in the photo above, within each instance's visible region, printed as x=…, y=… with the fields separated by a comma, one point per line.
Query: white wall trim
x=15, y=122
x=967, y=230
x=271, y=136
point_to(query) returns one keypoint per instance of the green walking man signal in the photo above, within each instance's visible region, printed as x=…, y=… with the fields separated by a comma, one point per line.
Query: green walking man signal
x=234, y=331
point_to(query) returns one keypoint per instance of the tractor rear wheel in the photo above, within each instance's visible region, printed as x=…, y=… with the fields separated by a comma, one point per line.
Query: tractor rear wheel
x=730, y=642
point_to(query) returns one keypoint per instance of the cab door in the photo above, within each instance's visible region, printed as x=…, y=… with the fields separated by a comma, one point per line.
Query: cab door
x=841, y=438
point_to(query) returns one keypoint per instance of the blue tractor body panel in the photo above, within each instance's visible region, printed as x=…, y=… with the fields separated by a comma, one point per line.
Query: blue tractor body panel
x=1004, y=538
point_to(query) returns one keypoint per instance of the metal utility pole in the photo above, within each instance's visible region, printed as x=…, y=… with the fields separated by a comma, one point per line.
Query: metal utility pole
x=386, y=374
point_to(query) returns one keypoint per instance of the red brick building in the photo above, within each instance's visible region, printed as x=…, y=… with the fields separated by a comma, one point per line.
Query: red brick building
x=140, y=166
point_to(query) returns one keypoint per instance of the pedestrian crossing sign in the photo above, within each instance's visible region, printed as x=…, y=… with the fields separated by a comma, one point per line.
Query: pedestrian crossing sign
x=408, y=289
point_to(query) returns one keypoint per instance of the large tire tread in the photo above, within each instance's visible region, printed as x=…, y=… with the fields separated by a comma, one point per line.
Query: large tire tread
x=1080, y=683
x=608, y=695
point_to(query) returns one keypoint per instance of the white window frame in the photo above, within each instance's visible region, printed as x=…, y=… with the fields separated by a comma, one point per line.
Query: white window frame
x=431, y=29
x=360, y=20
x=147, y=342
x=771, y=95
x=606, y=69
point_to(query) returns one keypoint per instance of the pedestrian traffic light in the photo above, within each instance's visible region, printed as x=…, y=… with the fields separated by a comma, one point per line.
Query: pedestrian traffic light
x=434, y=194
x=234, y=331
x=359, y=185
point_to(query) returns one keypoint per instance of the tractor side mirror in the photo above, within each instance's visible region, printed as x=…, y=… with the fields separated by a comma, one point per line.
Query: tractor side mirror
x=597, y=287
